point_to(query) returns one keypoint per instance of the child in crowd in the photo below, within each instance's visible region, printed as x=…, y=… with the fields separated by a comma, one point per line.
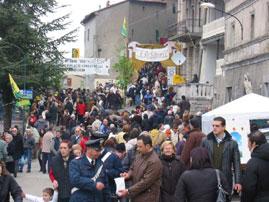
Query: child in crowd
x=48, y=195
x=77, y=150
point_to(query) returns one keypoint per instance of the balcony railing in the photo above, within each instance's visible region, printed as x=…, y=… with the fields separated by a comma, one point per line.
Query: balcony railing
x=213, y=28
x=186, y=30
x=195, y=90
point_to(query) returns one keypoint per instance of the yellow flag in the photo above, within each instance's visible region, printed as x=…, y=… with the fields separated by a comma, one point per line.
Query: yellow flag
x=15, y=88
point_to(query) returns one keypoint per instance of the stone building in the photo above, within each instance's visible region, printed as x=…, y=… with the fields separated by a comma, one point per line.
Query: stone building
x=246, y=54
x=148, y=21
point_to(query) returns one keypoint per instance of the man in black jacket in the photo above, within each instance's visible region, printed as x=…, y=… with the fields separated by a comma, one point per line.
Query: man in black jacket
x=224, y=152
x=256, y=180
x=59, y=173
x=18, y=141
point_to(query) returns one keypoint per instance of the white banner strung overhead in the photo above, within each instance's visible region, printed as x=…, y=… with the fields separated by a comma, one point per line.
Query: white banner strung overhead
x=152, y=55
x=86, y=66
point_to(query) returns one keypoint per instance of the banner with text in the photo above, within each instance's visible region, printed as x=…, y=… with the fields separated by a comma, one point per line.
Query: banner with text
x=86, y=66
x=152, y=55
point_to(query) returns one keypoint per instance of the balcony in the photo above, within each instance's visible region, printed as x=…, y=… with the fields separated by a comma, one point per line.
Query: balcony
x=195, y=90
x=200, y=95
x=213, y=30
x=185, y=30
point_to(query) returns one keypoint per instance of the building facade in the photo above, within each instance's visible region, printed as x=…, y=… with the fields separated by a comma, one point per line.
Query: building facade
x=246, y=54
x=148, y=21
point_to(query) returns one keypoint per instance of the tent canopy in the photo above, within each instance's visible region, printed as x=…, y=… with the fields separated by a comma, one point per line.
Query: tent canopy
x=241, y=110
x=249, y=104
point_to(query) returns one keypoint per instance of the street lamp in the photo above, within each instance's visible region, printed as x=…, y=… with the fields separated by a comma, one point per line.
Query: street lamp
x=211, y=5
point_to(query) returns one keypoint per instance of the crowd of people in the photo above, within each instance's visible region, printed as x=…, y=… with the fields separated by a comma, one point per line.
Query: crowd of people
x=83, y=142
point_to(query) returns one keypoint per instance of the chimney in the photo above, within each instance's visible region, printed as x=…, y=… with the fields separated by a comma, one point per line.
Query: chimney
x=107, y=3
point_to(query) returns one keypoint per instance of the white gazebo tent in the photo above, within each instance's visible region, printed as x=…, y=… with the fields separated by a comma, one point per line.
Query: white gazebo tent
x=238, y=114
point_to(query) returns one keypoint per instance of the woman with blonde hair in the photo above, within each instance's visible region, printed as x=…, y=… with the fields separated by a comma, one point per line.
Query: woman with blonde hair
x=172, y=170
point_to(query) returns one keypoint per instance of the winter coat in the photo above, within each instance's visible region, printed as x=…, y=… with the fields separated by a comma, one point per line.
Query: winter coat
x=194, y=140
x=146, y=126
x=18, y=140
x=168, y=119
x=256, y=179
x=81, y=172
x=184, y=105
x=69, y=107
x=199, y=185
x=8, y=186
x=112, y=169
x=172, y=170
x=28, y=143
x=129, y=158
x=145, y=173
x=52, y=114
x=81, y=109
x=61, y=174
x=230, y=157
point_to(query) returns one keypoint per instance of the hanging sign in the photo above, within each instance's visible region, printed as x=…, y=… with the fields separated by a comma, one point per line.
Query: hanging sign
x=86, y=66
x=152, y=55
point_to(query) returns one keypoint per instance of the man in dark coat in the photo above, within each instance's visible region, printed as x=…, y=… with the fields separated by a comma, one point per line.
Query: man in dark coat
x=224, y=152
x=87, y=177
x=184, y=105
x=69, y=106
x=59, y=172
x=18, y=141
x=256, y=180
x=195, y=139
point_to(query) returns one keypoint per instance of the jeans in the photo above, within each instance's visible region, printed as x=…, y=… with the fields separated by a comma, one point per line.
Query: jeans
x=46, y=157
x=28, y=155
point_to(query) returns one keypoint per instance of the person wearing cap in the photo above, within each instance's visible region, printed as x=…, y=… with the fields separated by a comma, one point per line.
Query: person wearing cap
x=87, y=177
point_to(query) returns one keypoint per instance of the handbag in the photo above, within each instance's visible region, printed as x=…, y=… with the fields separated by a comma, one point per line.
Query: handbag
x=222, y=194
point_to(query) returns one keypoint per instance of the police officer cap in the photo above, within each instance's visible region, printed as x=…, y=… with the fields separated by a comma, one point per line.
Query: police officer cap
x=96, y=143
x=98, y=135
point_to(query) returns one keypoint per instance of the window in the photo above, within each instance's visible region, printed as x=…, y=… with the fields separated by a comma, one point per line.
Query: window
x=88, y=34
x=174, y=8
x=252, y=26
x=157, y=35
x=228, y=94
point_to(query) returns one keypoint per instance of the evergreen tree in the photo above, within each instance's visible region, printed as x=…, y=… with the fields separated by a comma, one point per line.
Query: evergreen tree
x=26, y=49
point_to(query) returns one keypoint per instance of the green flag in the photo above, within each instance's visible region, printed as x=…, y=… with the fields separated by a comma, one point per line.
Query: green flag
x=124, y=30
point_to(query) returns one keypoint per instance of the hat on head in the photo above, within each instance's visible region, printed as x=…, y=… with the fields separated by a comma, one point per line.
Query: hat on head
x=98, y=135
x=96, y=144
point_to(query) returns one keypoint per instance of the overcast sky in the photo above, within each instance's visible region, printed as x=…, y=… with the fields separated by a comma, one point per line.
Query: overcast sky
x=79, y=9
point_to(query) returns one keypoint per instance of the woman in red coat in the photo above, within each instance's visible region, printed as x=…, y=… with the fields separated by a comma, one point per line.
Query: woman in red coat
x=81, y=109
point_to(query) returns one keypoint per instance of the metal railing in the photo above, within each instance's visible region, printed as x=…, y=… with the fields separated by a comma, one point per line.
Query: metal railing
x=190, y=25
x=187, y=26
